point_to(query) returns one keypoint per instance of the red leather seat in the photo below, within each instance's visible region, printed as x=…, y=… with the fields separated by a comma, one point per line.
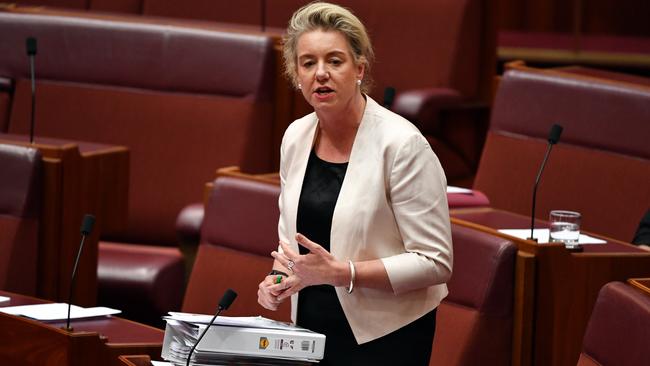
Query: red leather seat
x=239, y=232
x=144, y=281
x=20, y=192
x=475, y=321
x=619, y=328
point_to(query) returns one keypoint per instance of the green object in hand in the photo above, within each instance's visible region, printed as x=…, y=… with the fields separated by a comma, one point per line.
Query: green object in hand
x=278, y=279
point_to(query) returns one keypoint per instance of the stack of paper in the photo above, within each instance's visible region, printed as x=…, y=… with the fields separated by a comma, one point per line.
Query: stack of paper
x=57, y=311
x=252, y=340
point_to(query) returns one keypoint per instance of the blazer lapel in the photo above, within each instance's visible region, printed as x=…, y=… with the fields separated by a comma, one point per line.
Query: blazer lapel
x=355, y=175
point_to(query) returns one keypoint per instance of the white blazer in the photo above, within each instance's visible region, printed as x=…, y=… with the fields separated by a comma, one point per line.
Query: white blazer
x=392, y=206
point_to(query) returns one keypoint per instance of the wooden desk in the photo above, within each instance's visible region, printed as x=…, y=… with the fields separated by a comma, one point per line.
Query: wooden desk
x=26, y=342
x=555, y=290
x=78, y=178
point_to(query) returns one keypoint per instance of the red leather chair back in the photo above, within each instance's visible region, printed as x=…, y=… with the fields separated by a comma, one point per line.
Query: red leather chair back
x=240, y=229
x=474, y=324
x=20, y=188
x=619, y=328
x=601, y=165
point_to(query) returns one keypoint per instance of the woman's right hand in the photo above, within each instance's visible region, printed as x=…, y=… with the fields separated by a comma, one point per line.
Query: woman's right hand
x=268, y=292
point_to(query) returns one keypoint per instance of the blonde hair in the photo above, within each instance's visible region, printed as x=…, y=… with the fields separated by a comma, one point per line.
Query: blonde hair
x=328, y=17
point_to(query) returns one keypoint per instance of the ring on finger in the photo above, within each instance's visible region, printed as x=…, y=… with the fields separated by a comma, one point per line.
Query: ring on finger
x=290, y=265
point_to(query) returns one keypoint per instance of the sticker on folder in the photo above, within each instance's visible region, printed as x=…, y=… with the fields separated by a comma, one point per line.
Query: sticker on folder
x=264, y=342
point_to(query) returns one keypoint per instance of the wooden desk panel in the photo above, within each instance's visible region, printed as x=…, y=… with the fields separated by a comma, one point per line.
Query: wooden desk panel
x=557, y=289
x=26, y=342
x=78, y=178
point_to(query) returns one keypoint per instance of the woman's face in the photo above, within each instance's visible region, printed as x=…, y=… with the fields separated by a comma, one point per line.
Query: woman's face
x=327, y=72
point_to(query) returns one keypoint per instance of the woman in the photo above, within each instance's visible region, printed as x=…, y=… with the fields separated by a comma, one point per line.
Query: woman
x=365, y=247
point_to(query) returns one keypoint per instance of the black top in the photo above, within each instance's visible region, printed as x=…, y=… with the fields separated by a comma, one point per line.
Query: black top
x=320, y=190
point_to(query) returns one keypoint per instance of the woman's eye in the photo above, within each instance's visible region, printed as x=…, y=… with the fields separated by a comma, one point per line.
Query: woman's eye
x=307, y=63
x=335, y=62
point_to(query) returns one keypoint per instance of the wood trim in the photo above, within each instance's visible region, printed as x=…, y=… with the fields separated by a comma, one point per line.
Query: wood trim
x=524, y=310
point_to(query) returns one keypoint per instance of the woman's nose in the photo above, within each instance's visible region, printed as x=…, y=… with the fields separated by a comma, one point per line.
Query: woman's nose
x=321, y=72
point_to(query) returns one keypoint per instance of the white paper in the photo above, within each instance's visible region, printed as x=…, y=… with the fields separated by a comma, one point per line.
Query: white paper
x=160, y=363
x=57, y=311
x=542, y=236
x=4, y=298
x=453, y=189
x=234, y=321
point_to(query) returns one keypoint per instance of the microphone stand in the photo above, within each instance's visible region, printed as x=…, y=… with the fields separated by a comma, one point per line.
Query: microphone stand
x=553, y=138
x=189, y=355
x=539, y=175
x=227, y=299
x=86, y=229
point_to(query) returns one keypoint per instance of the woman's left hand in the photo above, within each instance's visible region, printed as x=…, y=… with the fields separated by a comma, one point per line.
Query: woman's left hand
x=318, y=267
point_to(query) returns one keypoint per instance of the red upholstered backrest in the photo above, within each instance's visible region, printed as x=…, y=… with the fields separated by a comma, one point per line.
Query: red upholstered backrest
x=596, y=113
x=601, y=166
x=483, y=272
x=238, y=234
x=185, y=101
x=242, y=215
x=20, y=188
x=619, y=328
x=120, y=51
x=475, y=320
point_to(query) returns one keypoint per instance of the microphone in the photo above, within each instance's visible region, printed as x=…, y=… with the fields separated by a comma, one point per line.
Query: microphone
x=227, y=299
x=553, y=138
x=86, y=229
x=389, y=97
x=31, y=52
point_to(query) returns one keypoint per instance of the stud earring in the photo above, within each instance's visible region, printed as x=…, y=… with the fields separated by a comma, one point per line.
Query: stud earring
x=299, y=86
x=359, y=82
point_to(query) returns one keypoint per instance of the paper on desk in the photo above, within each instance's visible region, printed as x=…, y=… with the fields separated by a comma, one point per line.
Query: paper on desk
x=4, y=298
x=543, y=234
x=234, y=321
x=160, y=363
x=57, y=311
x=453, y=189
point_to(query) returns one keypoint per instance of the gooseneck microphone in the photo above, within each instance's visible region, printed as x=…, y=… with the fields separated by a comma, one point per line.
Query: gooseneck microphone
x=31, y=52
x=227, y=299
x=553, y=138
x=86, y=229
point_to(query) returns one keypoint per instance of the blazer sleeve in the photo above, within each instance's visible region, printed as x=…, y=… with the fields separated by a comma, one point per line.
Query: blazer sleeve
x=417, y=187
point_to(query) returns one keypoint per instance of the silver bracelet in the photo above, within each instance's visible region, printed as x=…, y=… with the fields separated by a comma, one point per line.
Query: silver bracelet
x=352, y=276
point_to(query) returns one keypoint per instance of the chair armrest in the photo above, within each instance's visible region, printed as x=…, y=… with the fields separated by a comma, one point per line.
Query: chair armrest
x=424, y=105
x=188, y=223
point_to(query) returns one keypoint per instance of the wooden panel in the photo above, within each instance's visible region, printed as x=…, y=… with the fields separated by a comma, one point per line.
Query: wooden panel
x=94, y=181
x=524, y=307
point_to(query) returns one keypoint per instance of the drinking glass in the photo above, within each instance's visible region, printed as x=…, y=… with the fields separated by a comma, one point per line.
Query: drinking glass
x=564, y=227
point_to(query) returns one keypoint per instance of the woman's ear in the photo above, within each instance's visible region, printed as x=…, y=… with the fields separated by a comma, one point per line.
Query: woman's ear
x=361, y=67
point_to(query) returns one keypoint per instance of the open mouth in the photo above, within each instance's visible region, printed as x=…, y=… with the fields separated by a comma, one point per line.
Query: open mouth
x=323, y=90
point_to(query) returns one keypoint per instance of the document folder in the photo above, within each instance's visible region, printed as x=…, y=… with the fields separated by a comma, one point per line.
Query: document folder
x=268, y=342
